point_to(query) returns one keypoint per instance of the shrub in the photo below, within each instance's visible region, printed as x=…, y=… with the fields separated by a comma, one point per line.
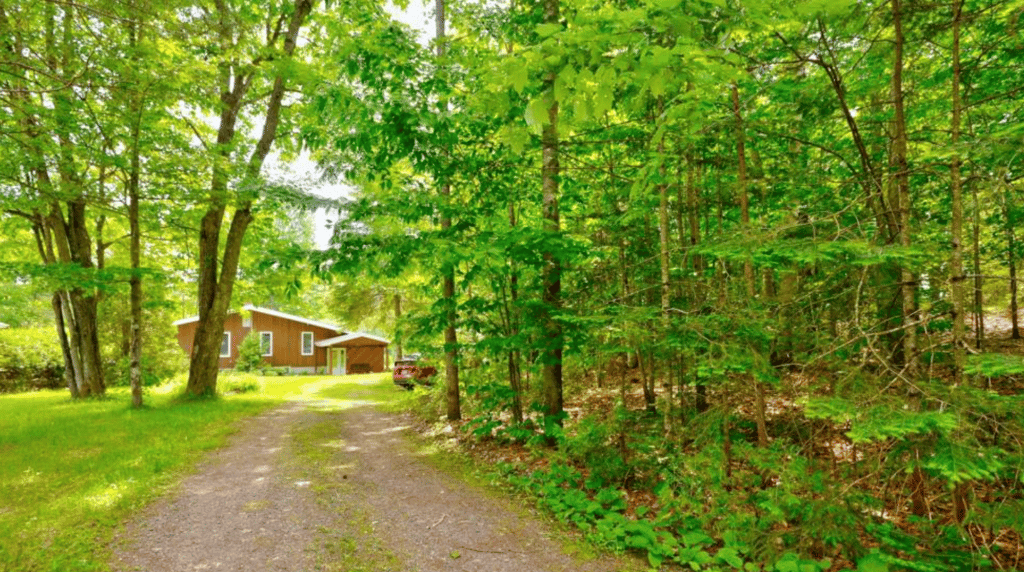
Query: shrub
x=30, y=359
x=157, y=367
x=239, y=384
x=250, y=354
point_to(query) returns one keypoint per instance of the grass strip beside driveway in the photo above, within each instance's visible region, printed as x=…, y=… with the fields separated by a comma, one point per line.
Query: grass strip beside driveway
x=70, y=471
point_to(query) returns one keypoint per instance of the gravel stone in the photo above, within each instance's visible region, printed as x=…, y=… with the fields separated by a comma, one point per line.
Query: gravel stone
x=245, y=510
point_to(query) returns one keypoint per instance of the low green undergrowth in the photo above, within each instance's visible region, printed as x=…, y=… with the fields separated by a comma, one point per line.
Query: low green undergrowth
x=831, y=491
x=670, y=532
x=30, y=359
x=72, y=471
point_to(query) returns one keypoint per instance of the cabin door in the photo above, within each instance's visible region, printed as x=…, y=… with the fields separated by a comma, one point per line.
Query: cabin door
x=338, y=357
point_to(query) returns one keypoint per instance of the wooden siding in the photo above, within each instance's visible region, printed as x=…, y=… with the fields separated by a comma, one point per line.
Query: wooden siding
x=370, y=355
x=287, y=347
x=364, y=351
x=232, y=323
x=288, y=341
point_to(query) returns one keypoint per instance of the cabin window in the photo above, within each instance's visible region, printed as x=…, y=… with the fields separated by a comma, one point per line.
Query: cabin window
x=267, y=343
x=307, y=343
x=247, y=321
x=225, y=345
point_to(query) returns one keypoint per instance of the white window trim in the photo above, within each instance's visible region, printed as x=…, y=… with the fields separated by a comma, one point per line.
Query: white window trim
x=228, y=334
x=270, y=346
x=302, y=343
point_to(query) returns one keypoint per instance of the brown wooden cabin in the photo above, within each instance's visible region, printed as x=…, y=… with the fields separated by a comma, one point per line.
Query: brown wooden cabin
x=298, y=343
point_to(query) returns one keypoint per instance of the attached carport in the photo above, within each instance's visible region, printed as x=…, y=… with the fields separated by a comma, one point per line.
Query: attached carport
x=355, y=352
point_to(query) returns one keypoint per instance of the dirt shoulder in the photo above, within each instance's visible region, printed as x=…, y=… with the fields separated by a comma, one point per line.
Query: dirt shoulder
x=301, y=489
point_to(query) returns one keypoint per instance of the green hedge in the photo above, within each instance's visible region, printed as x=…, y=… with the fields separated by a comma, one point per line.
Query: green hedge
x=30, y=359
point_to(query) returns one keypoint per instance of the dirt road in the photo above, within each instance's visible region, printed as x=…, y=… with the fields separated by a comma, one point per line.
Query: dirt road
x=311, y=488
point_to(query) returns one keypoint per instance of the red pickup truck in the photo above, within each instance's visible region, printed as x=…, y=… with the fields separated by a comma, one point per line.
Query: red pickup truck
x=408, y=372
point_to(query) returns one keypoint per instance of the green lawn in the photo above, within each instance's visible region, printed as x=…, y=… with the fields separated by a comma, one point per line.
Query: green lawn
x=70, y=472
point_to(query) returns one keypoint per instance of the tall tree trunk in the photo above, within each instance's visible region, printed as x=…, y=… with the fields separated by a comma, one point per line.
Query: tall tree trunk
x=135, y=369
x=666, y=284
x=44, y=243
x=215, y=288
x=741, y=188
x=1011, y=259
x=979, y=308
x=956, y=270
x=515, y=378
x=748, y=268
x=692, y=209
x=74, y=231
x=901, y=175
x=65, y=346
x=901, y=182
x=1014, y=310
x=398, y=316
x=551, y=276
x=693, y=212
x=451, y=341
x=49, y=226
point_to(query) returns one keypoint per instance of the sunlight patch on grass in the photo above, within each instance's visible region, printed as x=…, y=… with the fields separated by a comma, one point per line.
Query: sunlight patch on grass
x=73, y=470
x=106, y=498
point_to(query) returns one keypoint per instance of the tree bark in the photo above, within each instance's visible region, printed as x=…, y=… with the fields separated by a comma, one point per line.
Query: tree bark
x=135, y=369
x=515, y=376
x=741, y=188
x=957, y=218
x=979, y=308
x=748, y=267
x=901, y=175
x=60, y=240
x=214, y=288
x=1011, y=259
x=692, y=210
x=551, y=277
x=666, y=284
x=65, y=346
x=73, y=232
x=451, y=340
x=908, y=284
x=398, y=316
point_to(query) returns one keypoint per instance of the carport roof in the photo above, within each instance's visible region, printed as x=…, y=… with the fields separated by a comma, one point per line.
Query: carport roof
x=348, y=338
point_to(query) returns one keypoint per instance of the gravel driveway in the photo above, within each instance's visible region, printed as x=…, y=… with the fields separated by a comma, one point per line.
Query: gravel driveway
x=305, y=489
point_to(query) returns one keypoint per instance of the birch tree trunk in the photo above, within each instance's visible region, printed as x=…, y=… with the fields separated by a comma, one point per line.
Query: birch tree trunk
x=135, y=344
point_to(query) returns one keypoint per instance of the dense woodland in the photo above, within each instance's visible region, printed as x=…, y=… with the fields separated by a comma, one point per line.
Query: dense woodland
x=742, y=259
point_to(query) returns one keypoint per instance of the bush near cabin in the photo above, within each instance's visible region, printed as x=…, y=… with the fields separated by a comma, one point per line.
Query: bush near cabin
x=30, y=359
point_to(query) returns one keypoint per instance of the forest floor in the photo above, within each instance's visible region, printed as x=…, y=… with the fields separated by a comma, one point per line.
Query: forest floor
x=322, y=487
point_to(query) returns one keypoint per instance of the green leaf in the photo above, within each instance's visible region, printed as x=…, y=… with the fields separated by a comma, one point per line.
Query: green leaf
x=547, y=30
x=561, y=88
x=519, y=76
x=872, y=563
x=602, y=101
x=657, y=85
x=730, y=556
x=537, y=115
